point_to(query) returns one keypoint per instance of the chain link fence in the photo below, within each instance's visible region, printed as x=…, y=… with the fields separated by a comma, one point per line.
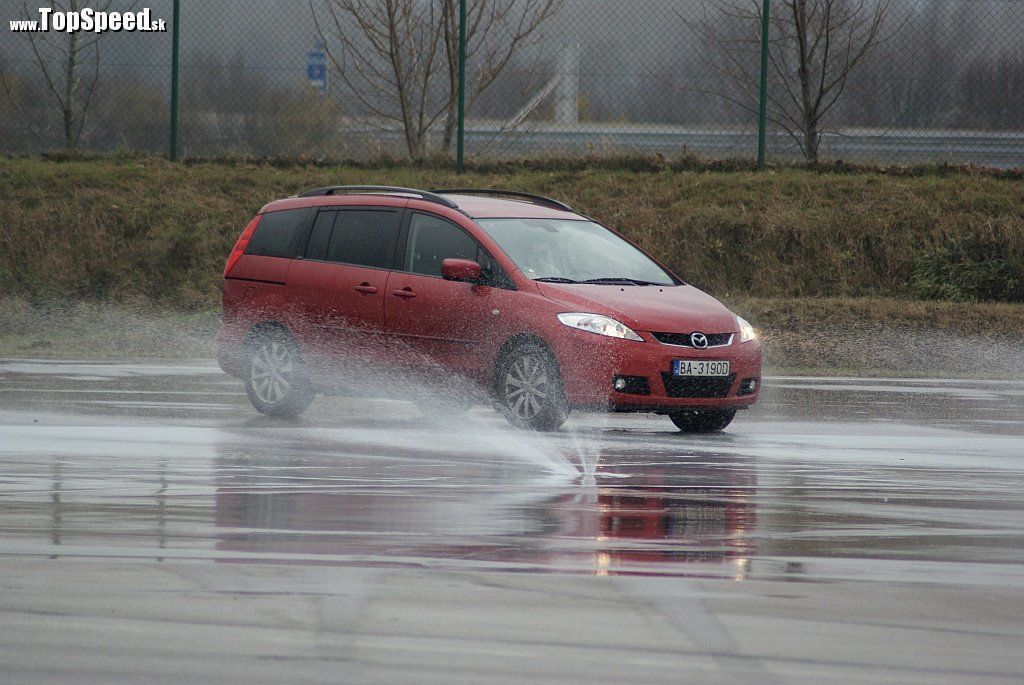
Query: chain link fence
x=880, y=81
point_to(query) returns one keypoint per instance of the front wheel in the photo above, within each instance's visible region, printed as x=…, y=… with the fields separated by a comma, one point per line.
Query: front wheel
x=702, y=421
x=276, y=381
x=530, y=390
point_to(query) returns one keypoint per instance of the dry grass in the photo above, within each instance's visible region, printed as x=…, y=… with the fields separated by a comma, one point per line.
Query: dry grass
x=882, y=336
x=871, y=336
x=104, y=330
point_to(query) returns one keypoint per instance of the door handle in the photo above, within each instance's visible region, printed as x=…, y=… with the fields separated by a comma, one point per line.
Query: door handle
x=404, y=293
x=366, y=289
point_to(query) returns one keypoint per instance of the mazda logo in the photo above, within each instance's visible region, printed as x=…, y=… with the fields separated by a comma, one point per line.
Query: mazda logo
x=699, y=340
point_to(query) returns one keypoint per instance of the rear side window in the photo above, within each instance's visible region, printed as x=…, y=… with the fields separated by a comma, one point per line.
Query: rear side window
x=433, y=240
x=275, y=233
x=320, y=236
x=355, y=236
x=365, y=238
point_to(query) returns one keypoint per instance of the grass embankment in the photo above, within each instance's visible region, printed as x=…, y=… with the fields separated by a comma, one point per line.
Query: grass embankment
x=145, y=228
x=876, y=244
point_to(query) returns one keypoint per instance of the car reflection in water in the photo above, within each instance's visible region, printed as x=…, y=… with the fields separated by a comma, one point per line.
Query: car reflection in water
x=695, y=526
x=680, y=516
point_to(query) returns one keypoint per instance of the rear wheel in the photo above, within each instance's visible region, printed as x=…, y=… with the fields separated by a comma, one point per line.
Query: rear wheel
x=276, y=379
x=530, y=390
x=702, y=421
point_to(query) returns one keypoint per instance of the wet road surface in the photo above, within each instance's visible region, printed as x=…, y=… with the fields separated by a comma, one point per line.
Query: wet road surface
x=153, y=528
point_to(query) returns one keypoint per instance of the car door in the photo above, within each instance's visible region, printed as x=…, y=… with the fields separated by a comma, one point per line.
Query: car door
x=453, y=323
x=337, y=288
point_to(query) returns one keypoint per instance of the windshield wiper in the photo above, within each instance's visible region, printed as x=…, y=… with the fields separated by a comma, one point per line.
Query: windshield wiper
x=617, y=281
x=555, y=279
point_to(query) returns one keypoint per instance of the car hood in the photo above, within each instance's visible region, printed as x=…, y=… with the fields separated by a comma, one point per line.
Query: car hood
x=675, y=309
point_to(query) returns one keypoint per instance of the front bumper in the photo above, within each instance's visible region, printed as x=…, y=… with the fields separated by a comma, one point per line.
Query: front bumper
x=590, y=363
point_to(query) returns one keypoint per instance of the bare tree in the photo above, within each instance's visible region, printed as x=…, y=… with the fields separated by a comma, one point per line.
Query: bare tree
x=69, y=64
x=397, y=60
x=813, y=49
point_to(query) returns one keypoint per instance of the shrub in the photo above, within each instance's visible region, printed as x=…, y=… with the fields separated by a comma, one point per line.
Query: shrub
x=969, y=269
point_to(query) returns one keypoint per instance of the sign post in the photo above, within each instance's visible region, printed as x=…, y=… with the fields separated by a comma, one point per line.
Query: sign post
x=175, y=38
x=460, y=147
x=762, y=114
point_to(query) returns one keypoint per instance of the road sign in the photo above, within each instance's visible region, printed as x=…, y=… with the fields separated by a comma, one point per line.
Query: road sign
x=316, y=67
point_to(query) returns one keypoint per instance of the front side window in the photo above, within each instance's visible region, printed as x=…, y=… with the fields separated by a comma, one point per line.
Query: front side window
x=433, y=240
x=572, y=252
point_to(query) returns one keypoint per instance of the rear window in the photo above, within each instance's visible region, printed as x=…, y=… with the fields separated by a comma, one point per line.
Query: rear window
x=276, y=233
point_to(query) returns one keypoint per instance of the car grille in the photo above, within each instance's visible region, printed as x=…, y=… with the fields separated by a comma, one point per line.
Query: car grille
x=676, y=386
x=683, y=339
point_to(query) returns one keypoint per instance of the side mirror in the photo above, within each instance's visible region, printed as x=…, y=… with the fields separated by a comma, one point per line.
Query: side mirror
x=461, y=270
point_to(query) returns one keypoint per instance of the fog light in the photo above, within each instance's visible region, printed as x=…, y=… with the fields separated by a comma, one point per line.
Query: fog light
x=632, y=385
x=748, y=387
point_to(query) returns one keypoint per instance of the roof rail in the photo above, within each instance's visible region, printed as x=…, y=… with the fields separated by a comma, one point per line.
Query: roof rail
x=536, y=199
x=380, y=190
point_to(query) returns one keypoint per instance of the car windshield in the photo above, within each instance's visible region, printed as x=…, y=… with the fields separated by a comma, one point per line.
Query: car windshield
x=573, y=252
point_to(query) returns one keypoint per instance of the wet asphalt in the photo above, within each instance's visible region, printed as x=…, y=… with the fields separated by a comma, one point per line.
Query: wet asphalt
x=154, y=528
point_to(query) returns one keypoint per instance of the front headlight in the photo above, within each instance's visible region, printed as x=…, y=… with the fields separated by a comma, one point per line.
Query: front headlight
x=602, y=325
x=747, y=332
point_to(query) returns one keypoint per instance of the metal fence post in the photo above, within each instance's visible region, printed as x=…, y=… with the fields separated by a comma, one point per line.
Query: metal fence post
x=461, y=144
x=174, y=82
x=762, y=113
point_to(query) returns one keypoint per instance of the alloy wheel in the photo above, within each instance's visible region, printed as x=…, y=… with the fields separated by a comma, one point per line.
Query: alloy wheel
x=527, y=387
x=272, y=372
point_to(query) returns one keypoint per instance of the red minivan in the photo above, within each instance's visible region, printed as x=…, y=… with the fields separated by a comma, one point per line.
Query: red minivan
x=372, y=290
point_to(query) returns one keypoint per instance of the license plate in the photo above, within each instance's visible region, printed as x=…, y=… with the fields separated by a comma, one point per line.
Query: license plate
x=693, y=367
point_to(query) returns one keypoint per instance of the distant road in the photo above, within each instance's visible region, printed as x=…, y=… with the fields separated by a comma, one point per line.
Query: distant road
x=1004, y=150
x=904, y=146
x=488, y=139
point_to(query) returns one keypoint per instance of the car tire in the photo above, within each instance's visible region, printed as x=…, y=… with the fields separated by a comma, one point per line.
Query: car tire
x=530, y=391
x=275, y=376
x=710, y=421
